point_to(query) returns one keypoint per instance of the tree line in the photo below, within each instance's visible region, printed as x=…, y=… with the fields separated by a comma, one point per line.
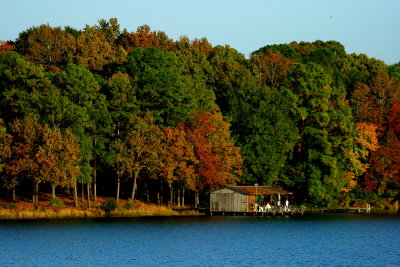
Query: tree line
x=136, y=114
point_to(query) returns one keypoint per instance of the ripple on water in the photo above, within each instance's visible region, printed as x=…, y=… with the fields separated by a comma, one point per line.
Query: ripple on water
x=346, y=240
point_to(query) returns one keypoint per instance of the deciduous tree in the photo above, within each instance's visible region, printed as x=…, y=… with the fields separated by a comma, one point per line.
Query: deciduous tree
x=271, y=67
x=143, y=143
x=6, y=47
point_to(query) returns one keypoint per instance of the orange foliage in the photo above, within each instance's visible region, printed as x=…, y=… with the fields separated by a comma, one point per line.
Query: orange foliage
x=351, y=179
x=50, y=46
x=179, y=158
x=373, y=103
x=43, y=154
x=367, y=136
x=219, y=160
x=6, y=47
x=58, y=157
x=202, y=45
x=94, y=49
x=145, y=38
x=271, y=67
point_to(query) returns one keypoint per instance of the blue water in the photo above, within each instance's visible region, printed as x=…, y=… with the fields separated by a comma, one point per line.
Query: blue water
x=313, y=240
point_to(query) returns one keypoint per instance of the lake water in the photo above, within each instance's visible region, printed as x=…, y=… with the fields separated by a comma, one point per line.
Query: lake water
x=310, y=240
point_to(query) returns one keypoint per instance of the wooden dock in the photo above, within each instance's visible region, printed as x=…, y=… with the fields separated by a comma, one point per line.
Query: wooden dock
x=347, y=210
x=255, y=213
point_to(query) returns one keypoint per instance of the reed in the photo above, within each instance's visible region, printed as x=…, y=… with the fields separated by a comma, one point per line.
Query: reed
x=49, y=213
x=138, y=209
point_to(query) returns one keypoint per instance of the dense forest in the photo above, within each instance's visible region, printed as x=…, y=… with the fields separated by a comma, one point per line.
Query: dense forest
x=104, y=111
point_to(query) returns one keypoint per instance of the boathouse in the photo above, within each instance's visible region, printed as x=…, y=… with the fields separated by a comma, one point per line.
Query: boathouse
x=241, y=198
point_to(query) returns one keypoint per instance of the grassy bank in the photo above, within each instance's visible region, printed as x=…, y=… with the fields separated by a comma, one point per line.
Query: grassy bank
x=139, y=209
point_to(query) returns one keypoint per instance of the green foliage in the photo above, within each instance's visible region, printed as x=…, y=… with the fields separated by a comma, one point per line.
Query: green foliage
x=12, y=206
x=266, y=135
x=285, y=49
x=130, y=204
x=156, y=74
x=20, y=85
x=108, y=206
x=293, y=113
x=394, y=71
x=56, y=203
x=325, y=124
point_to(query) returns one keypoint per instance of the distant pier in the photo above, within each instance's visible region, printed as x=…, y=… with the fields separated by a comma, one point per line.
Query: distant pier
x=255, y=213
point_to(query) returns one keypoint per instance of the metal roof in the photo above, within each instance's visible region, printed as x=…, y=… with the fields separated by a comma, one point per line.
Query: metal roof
x=260, y=190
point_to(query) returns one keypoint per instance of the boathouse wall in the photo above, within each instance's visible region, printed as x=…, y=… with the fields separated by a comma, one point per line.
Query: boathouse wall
x=228, y=200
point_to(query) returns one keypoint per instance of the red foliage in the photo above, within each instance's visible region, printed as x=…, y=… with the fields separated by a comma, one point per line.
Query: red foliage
x=6, y=47
x=145, y=38
x=219, y=160
x=394, y=118
x=271, y=67
x=386, y=162
x=373, y=103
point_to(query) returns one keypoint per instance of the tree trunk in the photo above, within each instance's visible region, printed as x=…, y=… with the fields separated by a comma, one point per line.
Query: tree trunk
x=88, y=194
x=118, y=169
x=53, y=191
x=95, y=173
x=118, y=186
x=171, y=194
x=13, y=193
x=178, y=193
x=36, y=195
x=134, y=185
x=76, y=195
x=147, y=194
x=82, y=193
x=94, y=181
x=161, y=193
x=183, y=196
x=196, y=199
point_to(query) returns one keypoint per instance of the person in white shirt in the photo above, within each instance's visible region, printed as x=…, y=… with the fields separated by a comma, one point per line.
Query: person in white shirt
x=255, y=207
x=287, y=205
x=268, y=207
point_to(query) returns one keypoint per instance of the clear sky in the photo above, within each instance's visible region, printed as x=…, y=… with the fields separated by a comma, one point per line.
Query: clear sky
x=362, y=26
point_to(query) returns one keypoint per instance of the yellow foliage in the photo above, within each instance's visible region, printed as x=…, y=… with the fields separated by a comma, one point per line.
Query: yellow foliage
x=351, y=179
x=367, y=136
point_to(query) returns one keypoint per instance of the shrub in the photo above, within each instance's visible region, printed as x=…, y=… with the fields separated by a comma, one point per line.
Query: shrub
x=108, y=206
x=12, y=206
x=56, y=203
x=130, y=204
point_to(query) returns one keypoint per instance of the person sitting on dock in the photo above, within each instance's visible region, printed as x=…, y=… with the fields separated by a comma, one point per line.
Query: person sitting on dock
x=287, y=205
x=268, y=207
x=261, y=209
x=278, y=206
x=255, y=207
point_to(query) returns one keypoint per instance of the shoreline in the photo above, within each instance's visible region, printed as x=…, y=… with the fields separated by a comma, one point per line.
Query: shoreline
x=90, y=214
x=120, y=213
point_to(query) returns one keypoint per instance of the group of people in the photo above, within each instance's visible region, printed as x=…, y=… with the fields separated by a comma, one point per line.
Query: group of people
x=268, y=207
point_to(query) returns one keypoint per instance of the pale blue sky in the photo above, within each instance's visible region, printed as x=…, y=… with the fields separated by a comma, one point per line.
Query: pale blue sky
x=362, y=26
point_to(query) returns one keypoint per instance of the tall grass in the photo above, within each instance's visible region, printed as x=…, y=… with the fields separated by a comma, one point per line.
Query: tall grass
x=49, y=213
x=139, y=209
